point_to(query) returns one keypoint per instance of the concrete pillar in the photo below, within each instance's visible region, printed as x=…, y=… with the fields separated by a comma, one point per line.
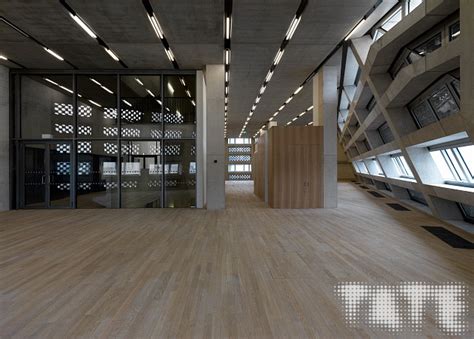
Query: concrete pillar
x=201, y=151
x=325, y=114
x=215, y=142
x=4, y=139
x=467, y=64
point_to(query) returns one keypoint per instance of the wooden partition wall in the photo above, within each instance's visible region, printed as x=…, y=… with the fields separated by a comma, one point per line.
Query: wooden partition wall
x=295, y=167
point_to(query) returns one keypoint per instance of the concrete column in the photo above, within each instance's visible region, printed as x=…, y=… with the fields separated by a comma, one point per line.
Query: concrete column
x=467, y=64
x=4, y=139
x=325, y=114
x=215, y=142
x=201, y=151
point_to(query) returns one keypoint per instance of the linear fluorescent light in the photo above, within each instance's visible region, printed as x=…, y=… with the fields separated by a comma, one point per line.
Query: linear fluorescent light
x=258, y=99
x=227, y=27
x=66, y=89
x=226, y=76
x=106, y=89
x=301, y=114
x=193, y=102
x=263, y=89
x=159, y=101
x=291, y=30
x=281, y=107
x=227, y=56
x=269, y=76
x=169, y=54
x=250, y=114
x=354, y=29
x=188, y=93
x=182, y=81
x=278, y=56
x=95, y=103
x=456, y=34
x=156, y=26
x=51, y=81
x=150, y=92
x=226, y=100
x=295, y=118
x=139, y=81
x=310, y=123
x=275, y=114
x=298, y=90
x=83, y=25
x=178, y=113
x=112, y=54
x=310, y=108
x=3, y=57
x=288, y=100
x=95, y=82
x=288, y=123
x=54, y=54
x=253, y=107
x=126, y=102
x=271, y=118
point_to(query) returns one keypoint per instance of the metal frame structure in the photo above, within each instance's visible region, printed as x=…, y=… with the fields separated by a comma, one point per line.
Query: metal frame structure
x=16, y=142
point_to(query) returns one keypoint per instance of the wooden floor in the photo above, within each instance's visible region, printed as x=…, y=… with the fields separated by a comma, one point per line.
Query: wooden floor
x=248, y=271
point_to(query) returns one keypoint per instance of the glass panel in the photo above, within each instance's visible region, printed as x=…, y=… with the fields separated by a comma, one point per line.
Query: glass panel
x=406, y=167
x=60, y=175
x=377, y=167
x=180, y=173
x=362, y=167
x=34, y=176
x=412, y=4
x=97, y=177
x=180, y=107
x=442, y=166
x=141, y=111
x=97, y=106
x=467, y=153
x=429, y=46
x=457, y=87
x=454, y=31
x=468, y=212
x=141, y=174
x=392, y=20
x=423, y=114
x=46, y=107
x=385, y=133
x=443, y=103
x=454, y=165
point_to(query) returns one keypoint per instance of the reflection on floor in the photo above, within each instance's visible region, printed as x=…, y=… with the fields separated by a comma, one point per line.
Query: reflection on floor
x=248, y=271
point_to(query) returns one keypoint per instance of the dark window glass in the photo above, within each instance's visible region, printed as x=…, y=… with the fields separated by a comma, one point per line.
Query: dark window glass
x=454, y=31
x=140, y=105
x=371, y=104
x=468, y=212
x=97, y=177
x=141, y=174
x=417, y=196
x=423, y=114
x=457, y=87
x=387, y=187
x=46, y=107
x=97, y=106
x=443, y=103
x=385, y=133
x=429, y=46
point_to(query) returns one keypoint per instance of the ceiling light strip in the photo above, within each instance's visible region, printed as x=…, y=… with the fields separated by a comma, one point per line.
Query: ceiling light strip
x=88, y=29
x=326, y=59
x=289, y=34
x=45, y=48
x=3, y=57
x=227, y=56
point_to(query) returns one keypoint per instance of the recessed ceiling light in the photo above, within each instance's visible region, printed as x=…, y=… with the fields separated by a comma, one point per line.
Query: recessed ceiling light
x=54, y=54
x=227, y=27
x=83, y=25
x=291, y=30
x=151, y=93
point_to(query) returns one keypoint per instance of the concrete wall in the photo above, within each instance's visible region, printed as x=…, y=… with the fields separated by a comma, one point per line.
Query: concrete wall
x=4, y=140
x=215, y=142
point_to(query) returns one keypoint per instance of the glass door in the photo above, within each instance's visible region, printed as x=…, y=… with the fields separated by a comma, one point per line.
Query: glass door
x=47, y=175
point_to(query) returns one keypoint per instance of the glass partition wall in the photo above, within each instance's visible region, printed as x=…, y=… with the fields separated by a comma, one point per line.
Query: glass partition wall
x=105, y=140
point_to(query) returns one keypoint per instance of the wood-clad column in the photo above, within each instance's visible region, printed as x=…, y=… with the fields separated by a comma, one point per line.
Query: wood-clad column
x=324, y=114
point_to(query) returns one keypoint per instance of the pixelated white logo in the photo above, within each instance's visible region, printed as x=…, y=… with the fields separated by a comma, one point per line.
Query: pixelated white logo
x=403, y=306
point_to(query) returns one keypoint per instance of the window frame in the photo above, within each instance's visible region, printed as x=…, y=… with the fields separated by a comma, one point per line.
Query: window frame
x=403, y=168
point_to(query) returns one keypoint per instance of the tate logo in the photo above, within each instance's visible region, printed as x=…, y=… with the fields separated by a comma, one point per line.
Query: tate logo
x=405, y=306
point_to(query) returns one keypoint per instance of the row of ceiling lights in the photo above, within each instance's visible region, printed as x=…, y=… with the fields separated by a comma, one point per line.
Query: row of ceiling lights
x=289, y=34
x=227, y=52
x=313, y=73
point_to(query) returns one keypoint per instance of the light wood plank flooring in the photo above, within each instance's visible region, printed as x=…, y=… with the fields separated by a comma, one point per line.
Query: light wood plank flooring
x=248, y=271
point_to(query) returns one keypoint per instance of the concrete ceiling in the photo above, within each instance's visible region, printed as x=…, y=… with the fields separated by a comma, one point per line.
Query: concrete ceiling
x=194, y=30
